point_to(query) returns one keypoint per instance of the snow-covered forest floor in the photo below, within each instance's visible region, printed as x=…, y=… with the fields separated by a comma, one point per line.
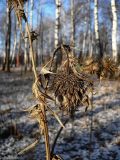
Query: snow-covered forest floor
x=74, y=142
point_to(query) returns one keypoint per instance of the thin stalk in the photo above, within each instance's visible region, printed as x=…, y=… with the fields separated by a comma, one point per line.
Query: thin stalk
x=46, y=135
x=91, y=125
x=31, y=46
x=31, y=50
x=56, y=138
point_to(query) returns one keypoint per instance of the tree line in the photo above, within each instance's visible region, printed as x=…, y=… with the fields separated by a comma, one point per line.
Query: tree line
x=90, y=27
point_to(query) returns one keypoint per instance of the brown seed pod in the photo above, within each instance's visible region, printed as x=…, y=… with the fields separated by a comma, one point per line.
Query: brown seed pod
x=67, y=85
x=71, y=88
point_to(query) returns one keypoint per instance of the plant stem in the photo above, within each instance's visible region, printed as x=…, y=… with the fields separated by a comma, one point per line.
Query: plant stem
x=31, y=45
x=31, y=50
x=56, y=138
x=46, y=134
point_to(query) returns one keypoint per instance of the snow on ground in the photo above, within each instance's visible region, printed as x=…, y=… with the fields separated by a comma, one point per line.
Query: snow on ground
x=74, y=142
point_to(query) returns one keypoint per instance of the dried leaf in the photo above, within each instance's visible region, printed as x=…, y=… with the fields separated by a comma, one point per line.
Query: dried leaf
x=28, y=148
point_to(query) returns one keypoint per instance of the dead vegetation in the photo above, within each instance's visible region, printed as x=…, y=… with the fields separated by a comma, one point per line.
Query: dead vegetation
x=105, y=68
x=69, y=89
x=64, y=85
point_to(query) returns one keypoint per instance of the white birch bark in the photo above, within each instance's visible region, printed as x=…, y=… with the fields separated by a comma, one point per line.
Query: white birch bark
x=15, y=42
x=91, y=46
x=72, y=26
x=114, y=30
x=90, y=38
x=64, y=34
x=96, y=19
x=31, y=13
x=97, y=38
x=57, y=22
x=84, y=38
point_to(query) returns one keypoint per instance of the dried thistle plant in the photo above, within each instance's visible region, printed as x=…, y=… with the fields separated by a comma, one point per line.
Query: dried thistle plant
x=103, y=68
x=69, y=87
x=90, y=66
x=20, y=14
x=109, y=68
x=70, y=91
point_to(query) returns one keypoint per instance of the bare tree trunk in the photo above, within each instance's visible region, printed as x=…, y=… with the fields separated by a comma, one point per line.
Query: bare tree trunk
x=19, y=52
x=31, y=13
x=41, y=37
x=63, y=23
x=72, y=26
x=89, y=32
x=15, y=42
x=6, y=64
x=57, y=22
x=37, y=44
x=26, y=43
x=114, y=30
x=31, y=26
x=84, y=38
x=97, y=38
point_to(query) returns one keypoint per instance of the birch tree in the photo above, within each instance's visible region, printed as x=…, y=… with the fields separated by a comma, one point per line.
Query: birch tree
x=6, y=63
x=26, y=43
x=114, y=30
x=31, y=13
x=84, y=36
x=41, y=36
x=31, y=25
x=57, y=22
x=90, y=37
x=97, y=38
x=15, y=41
x=72, y=26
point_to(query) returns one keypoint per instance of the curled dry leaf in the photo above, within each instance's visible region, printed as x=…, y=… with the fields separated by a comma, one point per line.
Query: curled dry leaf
x=39, y=93
x=28, y=148
x=56, y=157
x=37, y=113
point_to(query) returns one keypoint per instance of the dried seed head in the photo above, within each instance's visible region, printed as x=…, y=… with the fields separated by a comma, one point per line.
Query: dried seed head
x=109, y=68
x=70, y=91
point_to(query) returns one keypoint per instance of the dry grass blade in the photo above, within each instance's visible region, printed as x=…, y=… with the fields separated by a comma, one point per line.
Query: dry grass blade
x=28, y=148
x=45, y=71
x=40, y=95
x=29, y=108
x=56, y=116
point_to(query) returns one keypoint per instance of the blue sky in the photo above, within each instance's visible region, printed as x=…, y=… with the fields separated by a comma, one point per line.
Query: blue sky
x=48, y=8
